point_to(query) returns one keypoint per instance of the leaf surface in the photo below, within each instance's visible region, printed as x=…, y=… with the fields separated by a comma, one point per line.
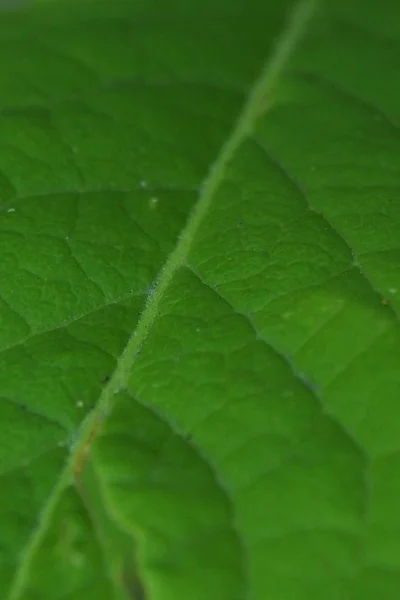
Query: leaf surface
x=199, y=300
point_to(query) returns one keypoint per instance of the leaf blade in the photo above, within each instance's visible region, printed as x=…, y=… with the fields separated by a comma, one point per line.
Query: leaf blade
x=60, y=165
x=250, y=366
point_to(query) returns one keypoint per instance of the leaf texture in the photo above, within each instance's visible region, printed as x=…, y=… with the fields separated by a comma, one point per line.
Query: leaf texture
x=199, y=300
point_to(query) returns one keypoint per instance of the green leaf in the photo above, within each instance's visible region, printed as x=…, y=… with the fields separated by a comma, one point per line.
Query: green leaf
x=200, y=267
x=74, y=560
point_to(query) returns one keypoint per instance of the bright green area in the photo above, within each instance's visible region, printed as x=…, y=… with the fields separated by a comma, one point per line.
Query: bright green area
x=200, y=242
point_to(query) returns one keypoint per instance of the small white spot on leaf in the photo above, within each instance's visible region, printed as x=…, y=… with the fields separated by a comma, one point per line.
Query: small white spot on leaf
x=153, y=202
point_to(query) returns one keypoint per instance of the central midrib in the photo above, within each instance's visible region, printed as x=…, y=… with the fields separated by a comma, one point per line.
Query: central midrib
x=301, y=16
